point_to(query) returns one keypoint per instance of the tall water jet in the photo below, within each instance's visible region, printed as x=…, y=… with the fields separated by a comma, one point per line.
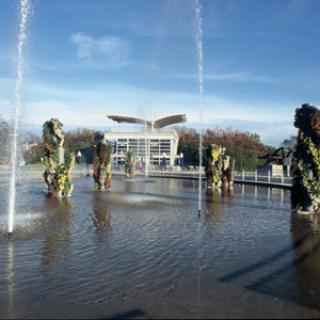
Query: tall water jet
x=146, y=142
x=146, y=169
x=22, y=37
x=199, y=44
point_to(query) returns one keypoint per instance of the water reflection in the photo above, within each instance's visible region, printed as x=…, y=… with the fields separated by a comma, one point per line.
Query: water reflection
x=213, y=208
x=59, y=239
x=269, y=192
x=101, y=204
x=130, y=185
x=10, y=277
x=102, y=220
x=227, y=192
x=212, y=201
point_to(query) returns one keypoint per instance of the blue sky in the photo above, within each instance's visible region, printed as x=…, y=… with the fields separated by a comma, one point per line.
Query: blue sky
x=87, y=58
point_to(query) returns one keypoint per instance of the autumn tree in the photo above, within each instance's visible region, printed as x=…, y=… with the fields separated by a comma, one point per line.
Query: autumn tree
x=189, y=145
x=244, y=147
x=78, y=139
x=75, y=140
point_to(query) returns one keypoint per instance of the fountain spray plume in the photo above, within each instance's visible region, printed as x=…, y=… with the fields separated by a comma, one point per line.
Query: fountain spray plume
x=22, y=37
x=199, y=44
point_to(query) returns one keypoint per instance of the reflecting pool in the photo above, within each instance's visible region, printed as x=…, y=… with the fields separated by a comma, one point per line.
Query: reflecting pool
x=142, y=251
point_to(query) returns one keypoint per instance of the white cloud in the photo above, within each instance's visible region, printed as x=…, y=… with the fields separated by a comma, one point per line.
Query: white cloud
x=106, y=52
x=122, y=98
x=43, y=111
x=231, y=76
x=87, y=107
x=106, y=97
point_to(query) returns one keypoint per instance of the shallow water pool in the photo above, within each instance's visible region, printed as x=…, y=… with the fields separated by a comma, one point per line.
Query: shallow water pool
x=142, y=251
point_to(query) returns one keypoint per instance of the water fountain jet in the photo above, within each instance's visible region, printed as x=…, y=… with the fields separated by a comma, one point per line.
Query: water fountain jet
x=199, y=43
x=24, y=15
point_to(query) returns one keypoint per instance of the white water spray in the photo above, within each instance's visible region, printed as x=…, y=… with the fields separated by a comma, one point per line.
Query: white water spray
x=199, y=43
x=146, y=152
x=24, y=14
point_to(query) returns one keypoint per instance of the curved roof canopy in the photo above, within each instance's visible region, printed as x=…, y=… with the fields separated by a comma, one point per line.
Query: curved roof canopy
x=158, y=123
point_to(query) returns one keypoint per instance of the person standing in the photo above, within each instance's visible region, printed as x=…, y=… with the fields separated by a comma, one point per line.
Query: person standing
x=78, y=159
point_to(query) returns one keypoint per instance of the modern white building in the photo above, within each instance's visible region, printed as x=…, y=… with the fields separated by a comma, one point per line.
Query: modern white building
x=152, y=143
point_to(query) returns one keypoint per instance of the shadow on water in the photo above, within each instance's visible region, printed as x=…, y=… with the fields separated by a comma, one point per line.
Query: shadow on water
x=262, y=263
x=296, y=279
x=130, y=314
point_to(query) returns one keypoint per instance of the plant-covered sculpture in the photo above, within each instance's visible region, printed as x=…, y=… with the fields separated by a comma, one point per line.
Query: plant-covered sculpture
x=227, y=172
x=130, y=164
x=102, y=163
x=305, y=195
x=219, y=168
x=59, y=163
x=213, y=166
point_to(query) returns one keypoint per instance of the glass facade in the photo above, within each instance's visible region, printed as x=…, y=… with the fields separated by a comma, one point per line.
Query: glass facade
x=154, y=149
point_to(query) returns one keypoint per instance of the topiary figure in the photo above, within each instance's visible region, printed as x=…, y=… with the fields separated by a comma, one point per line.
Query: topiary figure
x=227, y=169
x=102, y=163
x=305, y=195
x=213, y=166
x=59, y=162
x=130, y=164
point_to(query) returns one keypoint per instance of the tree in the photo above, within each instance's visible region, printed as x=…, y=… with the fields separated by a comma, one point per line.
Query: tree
x=78, y=139
x=4, y=141
x=189, y=145
x=33, y=152
x=244, y=147
x=74, y=141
